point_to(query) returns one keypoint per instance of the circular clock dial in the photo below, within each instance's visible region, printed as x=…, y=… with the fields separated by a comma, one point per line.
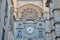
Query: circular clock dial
x=30, y=30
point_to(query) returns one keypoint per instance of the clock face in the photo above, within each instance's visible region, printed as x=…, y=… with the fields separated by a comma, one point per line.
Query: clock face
x=30, y=30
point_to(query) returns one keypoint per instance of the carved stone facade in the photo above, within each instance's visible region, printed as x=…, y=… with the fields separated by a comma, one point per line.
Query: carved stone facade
x=29, y=19
x=54, y=6
x=5, y=6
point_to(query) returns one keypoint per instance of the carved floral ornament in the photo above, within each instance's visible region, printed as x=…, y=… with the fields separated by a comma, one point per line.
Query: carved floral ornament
x=29, y=10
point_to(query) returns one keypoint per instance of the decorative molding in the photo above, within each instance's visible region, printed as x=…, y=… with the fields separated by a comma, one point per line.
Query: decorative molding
x=48, y=2
x=52, y=30
x=56, y=23
x=51, y=18
x=57, y=37
x=29, y=0
x=47, y=32
x=55, y=9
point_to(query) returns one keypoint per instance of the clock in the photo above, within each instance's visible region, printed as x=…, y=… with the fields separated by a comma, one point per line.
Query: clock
x=30, y=30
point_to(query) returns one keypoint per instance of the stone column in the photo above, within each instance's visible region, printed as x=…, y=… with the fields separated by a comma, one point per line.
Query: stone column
x=0, y=20
x=57, y=23
x=56, y=11
x=48, y=30
x=51, y=7
x=2, y=12
x=54, y=7
x=8, y=18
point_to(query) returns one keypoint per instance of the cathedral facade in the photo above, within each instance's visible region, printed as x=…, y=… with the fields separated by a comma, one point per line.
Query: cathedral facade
x=29, y=20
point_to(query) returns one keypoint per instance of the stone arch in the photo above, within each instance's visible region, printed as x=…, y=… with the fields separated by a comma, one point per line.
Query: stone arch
x=37, y=9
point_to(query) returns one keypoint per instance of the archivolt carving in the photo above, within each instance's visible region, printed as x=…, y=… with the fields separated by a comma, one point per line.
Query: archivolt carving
x=29, y=10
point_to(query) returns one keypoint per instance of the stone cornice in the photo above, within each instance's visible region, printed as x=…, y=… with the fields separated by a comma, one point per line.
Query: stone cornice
x=56, y=23
x=55, y=9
